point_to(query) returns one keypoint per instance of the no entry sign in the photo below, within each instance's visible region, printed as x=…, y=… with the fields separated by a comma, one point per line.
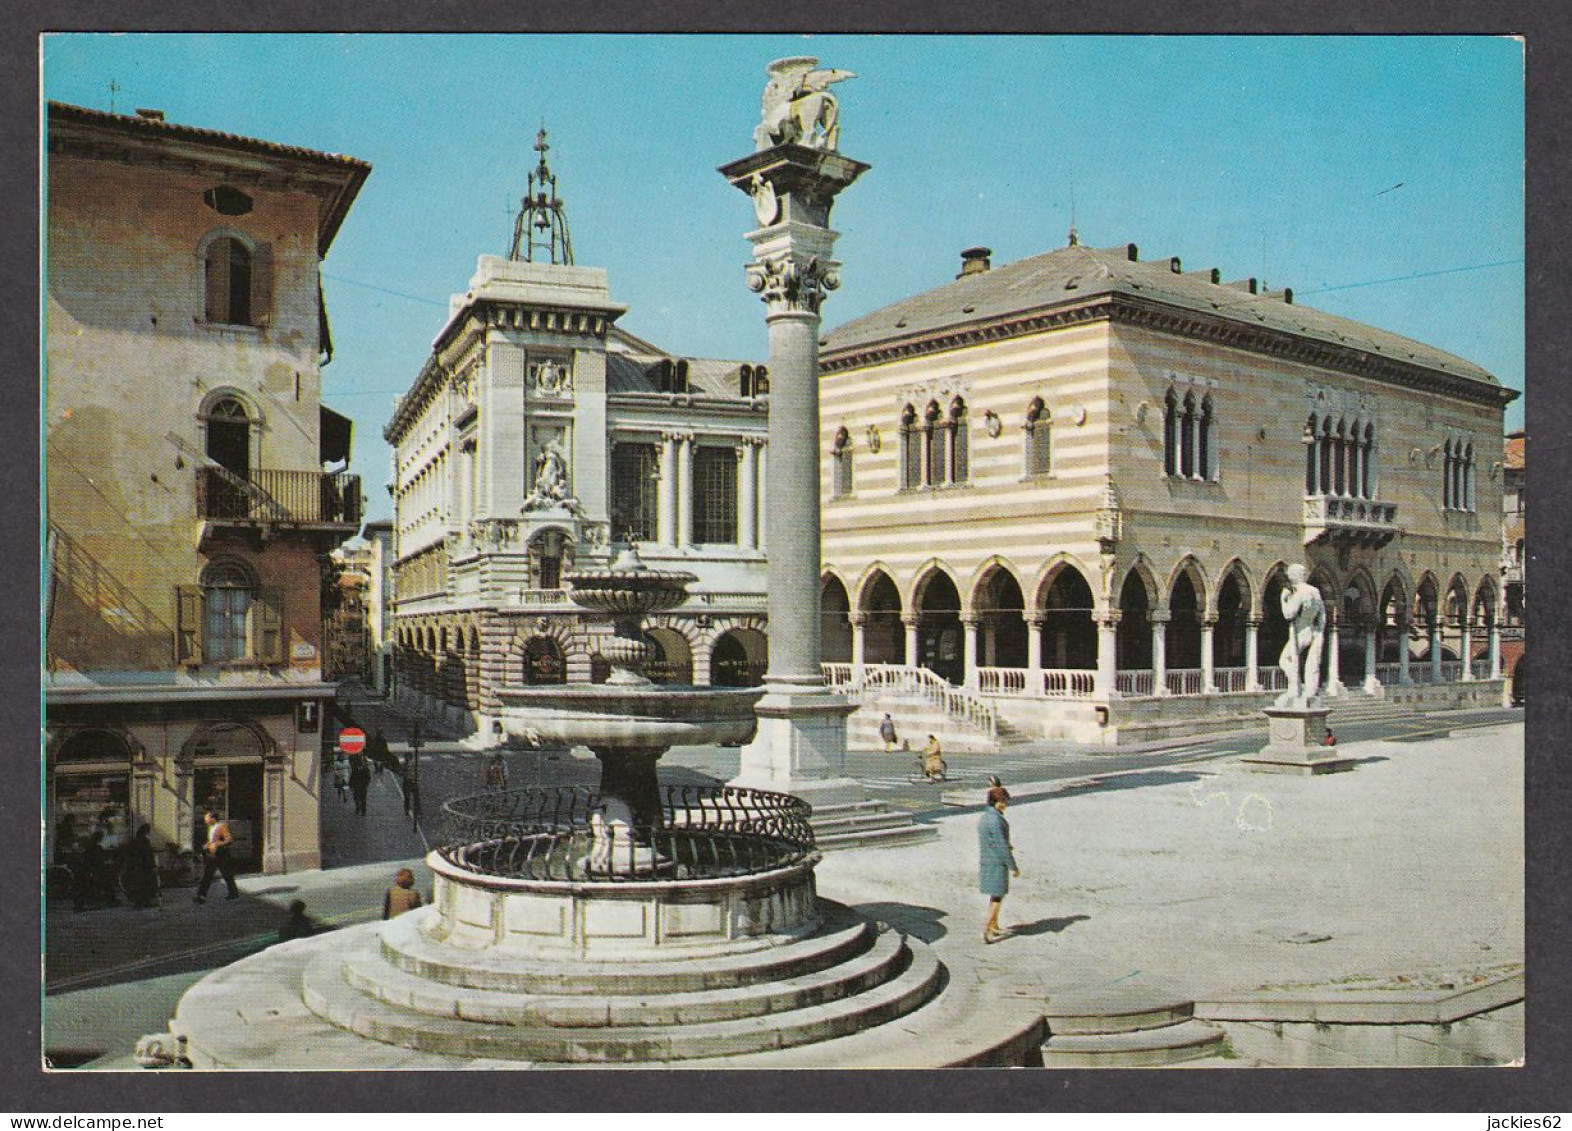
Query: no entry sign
x=351, y=740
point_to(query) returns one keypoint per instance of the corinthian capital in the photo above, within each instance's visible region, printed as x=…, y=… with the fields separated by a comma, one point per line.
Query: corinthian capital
x=791, y=282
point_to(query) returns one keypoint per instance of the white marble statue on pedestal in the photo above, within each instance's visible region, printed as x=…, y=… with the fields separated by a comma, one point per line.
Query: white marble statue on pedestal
x=1305, y=612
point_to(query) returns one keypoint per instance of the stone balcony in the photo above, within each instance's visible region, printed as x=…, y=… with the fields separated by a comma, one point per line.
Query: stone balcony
x=1363, y=522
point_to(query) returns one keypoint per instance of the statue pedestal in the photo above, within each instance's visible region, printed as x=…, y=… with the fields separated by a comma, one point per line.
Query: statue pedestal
x=800, y=748
x=1294, y=744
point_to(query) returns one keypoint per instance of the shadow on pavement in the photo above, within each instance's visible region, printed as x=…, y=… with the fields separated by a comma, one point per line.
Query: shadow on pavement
x=1048, y=926
x=918, y=922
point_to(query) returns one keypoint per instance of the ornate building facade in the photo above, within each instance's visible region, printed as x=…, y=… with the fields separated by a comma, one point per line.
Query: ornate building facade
x=1061, y=496
x=195, y=481
x=539, y=435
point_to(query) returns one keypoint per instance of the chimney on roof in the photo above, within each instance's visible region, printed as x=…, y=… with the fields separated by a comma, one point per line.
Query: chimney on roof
x=1288, y=295
x=1132, y=251
x=1175, y=266
x=975, y=260
x=150, y=115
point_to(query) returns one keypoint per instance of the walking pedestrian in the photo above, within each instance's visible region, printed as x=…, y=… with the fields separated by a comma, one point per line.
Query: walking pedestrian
x=933, y=766
x=496, y=772
x=409, y=785
x=95, y=876
x=996, y=860
x=139, y=869
x=341, y=776
x=216, y=858
x=379, y=754
x=887, y=732
x=402, y=896
x=359, y=782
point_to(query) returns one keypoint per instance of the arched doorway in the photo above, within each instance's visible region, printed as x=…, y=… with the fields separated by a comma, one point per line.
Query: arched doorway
x=1001, y=625
x=739, y=658
x=543, y=662
x=1135, y=625
x=1069, y=636
x=1392, y=623
x=939, y=637
x=1183, y=638
x=1233, y=613
x=835, y=633
x=670, y=660
x=90, y=790
x=226, y=779
x=883, y=635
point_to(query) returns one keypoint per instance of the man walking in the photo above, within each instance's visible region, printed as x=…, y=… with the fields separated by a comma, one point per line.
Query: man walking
x=887, y=732
x=359, y=782
x=216, y=858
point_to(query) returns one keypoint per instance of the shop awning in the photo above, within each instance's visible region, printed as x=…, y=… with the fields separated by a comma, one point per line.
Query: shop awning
x=337, y=433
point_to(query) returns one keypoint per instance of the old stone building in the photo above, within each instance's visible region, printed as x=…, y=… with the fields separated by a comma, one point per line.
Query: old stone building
x=195, y=481
x=1060, y=497
x=1514, y=562
x=537, y=436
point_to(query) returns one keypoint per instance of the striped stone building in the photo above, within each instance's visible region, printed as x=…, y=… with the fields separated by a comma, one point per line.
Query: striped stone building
x=1060, y=497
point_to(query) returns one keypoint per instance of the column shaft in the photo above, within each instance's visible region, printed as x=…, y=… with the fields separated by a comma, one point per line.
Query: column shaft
x=1208, y=670
x=1252, y=655
x=747, y=518
x=666, y=493
x=1159, y=656
x=685, y=491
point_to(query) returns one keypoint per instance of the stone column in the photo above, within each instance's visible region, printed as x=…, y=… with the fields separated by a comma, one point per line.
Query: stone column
x=1495, y=649
x=1034, y=657
x=666, y=492
x=1403, y=677
x=1334, y=684
x=1252, y=654
x=1208, y=668
x=858, y=657
x=911, y=640
x=747, y=476
x=801, y=740
x=1372, y=681
x=272, y=831
x=969, y=652
x=1435, y=651
x=1466, y=646
x=761, y=494
x=1107, y=680
x=685, y=489
x=1160, y=653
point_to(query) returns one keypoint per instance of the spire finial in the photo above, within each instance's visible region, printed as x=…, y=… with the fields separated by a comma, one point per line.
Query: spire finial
x=541, y=225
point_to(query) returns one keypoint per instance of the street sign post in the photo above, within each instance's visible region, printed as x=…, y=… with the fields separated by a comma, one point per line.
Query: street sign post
x=352, y=740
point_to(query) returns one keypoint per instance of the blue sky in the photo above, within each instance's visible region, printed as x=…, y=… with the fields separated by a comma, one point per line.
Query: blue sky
x=1272, y=157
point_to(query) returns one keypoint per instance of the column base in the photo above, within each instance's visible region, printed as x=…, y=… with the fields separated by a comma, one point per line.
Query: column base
x=1294, y=744
x=800, y=747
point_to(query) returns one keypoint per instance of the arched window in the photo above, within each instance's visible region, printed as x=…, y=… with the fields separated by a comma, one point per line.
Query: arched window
x=1326, y=456
x=960, y=459
x=1340, y=459
x=1468, y=478
x=228, y=618
x=1206, y=453
x=1369, y=463
x=934, y=441
x=1171, y=433
x=1039, y=439
x=1312, y=457
x=841, y=456
x=237, y=280
x=1187, y=441
x=1446, y=476
x=911, y=450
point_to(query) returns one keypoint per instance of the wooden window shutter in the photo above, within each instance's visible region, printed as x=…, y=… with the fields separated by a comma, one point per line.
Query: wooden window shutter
x=269, y=626
x=188, y=624
x=216, y=265
x=262, y=284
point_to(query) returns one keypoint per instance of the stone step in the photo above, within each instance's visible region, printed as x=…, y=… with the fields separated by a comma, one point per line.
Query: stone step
x=1138, y=1048
x=842, y=935
x=1115, y=1009
x=868, y=819
x=896, y=836
x=975, y=1022
x=364, y=968
x=328, y=996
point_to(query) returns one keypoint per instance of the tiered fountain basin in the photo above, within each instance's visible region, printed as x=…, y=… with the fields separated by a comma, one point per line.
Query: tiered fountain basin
x=538, y=872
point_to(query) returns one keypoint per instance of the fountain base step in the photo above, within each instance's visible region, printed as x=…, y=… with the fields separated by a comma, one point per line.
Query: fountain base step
x=863, y=994
x=866, y=824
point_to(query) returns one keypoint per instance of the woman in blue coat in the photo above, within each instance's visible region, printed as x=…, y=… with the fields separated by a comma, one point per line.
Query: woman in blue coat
x=997, y=859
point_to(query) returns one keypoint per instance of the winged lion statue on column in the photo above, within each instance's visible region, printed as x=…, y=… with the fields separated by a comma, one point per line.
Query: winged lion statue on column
x=798, y=107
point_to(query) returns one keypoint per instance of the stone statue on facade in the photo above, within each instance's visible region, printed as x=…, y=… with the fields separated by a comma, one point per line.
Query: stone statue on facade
x=798, y=107
x=553, y=378
x=551, y=483
x=1305, y=612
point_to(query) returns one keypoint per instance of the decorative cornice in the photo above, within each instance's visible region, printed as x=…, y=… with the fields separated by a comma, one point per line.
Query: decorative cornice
x=1148, y=314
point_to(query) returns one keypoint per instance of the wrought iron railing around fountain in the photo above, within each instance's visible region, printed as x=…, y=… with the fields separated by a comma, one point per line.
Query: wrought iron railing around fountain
x=706, y=832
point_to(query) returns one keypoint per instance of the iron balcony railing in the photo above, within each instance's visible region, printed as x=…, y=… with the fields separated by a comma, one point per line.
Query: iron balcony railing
x=269, y=496
x=559, y=834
